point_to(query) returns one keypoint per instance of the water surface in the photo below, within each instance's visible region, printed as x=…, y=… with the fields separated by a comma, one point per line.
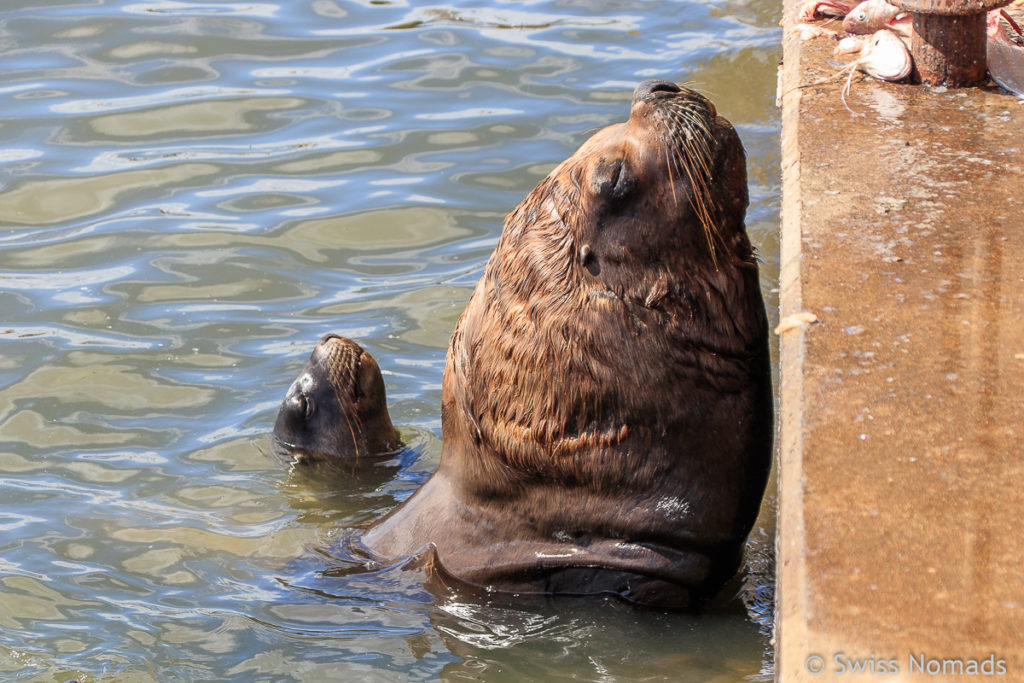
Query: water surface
x=191, y=193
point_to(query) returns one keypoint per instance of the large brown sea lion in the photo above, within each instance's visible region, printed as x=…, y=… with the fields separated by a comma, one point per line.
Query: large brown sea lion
x=606, y=403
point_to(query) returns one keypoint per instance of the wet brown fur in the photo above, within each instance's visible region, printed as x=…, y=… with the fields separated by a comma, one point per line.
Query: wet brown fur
x=606, y=403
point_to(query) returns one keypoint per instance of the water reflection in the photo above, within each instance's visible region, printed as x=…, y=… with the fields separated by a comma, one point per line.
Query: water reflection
x=503, y=642
x=192, y=193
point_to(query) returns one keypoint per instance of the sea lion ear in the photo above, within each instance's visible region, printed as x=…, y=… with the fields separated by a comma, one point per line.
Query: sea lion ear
x=588, y=260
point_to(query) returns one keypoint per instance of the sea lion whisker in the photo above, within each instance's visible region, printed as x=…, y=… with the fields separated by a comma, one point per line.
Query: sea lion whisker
x=667, y=146
x=675, y=160
x=699, y=152
x=671, y=179
x=700, y=199
x=691, y=123
x=345, y=379
x=353, y=423
x=697, y=202
x=699, y=85
x=690, y=156
x=688, y=107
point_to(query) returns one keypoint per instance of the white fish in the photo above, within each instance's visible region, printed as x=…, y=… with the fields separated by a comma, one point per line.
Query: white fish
x=885, y=57
x=874, y=15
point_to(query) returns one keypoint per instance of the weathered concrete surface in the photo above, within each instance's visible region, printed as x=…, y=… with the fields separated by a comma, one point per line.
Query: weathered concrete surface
x=901, y=530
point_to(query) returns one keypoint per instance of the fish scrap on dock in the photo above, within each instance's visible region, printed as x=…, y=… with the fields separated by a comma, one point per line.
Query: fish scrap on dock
x=879, y=34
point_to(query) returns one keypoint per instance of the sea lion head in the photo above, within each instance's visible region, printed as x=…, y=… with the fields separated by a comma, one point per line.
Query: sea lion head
x=665, y=190
x=337, y=408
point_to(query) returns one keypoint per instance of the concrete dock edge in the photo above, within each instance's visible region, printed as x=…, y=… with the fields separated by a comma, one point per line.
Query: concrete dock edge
x=901, y=471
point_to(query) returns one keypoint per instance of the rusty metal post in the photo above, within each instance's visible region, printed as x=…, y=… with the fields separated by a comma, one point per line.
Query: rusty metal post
x=949, y=40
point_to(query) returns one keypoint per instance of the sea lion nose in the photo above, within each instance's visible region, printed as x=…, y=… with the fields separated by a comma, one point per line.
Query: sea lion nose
x=651, y=86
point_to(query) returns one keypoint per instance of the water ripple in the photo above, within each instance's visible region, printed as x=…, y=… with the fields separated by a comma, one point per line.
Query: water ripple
x=339, y=73
x=117, y=160
x=185, y=9
x=78, y=338
x=177, y=95
x=9, y=521
x=62, y=280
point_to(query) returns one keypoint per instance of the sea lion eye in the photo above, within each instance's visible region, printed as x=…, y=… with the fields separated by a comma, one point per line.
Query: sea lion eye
x=611, y=179
x=305, y=406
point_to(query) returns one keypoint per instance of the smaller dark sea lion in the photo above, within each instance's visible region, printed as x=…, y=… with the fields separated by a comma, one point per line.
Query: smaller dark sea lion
x=336, y=410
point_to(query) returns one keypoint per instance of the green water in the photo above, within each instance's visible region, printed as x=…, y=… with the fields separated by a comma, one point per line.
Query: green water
x=191, y=193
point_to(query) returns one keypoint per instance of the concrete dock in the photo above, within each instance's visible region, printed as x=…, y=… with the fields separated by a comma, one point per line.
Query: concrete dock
x=900, y=544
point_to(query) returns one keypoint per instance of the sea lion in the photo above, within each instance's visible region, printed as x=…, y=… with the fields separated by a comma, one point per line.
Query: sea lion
x=606, y=401
x=336, y=410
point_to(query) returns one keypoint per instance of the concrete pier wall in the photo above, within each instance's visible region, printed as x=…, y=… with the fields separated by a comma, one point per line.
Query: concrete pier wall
x=900, y=552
